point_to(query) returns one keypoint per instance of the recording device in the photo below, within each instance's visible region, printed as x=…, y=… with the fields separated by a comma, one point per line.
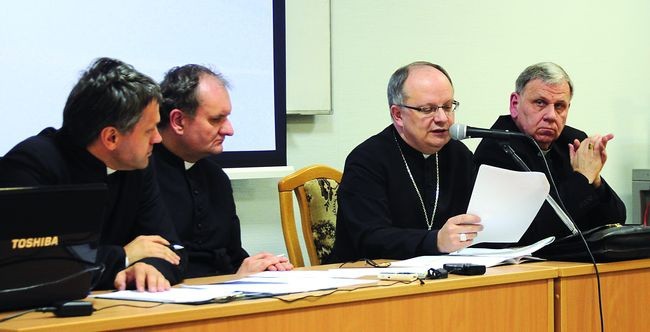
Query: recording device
x=465, y=269
x=74, y=309
x=460, y=131
x=437, y=274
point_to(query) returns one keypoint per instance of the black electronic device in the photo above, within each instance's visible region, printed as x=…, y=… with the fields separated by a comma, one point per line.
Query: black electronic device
x=74, y=309
x=437, y=274
x=465, y=269
x=48, y=243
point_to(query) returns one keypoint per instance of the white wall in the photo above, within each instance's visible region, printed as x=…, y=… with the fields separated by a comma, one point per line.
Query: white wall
x=484, y=45
x=45, y=45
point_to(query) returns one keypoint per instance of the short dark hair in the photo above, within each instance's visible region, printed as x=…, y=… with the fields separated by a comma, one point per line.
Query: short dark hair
x=179, y=90
x=396, y=83
x=109, y=93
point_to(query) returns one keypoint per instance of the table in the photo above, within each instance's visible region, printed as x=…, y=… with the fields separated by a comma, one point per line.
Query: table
x=506, y=298
x=625, y=291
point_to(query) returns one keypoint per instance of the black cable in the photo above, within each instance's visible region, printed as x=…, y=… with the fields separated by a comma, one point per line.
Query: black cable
x=337, y=290
x=92, y=268
x=130, y=305
x=53, y=282
x=591, y=256
x=98, y=276
x=16, y=315
x=508, y=150
x=375, y=264
x=368, y=261
x=54, y=309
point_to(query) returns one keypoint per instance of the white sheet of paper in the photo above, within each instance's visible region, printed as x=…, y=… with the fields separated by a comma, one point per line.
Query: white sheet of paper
x=240, y=287
x=506, y=252
x=174, y=295
x=277, y=286
x=438, y=261
x=507, y=201
x=292, y=274
x=372, y=271
x=480, y=256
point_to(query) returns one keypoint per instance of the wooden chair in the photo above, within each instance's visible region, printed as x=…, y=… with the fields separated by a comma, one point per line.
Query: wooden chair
x=315, y=188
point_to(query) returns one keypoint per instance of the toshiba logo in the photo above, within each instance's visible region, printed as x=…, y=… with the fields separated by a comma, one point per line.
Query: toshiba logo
x=34, y=242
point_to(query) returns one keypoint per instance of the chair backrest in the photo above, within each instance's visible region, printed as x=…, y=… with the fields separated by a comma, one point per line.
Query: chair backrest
x=315, y=188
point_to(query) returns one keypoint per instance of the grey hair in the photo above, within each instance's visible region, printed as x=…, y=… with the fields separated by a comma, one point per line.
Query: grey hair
x=548, y=72
x=395, y=89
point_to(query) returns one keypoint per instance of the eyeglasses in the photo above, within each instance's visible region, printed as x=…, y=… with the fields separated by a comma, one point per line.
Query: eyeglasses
x=430, y=109
x=370, y=262
x=376, y=264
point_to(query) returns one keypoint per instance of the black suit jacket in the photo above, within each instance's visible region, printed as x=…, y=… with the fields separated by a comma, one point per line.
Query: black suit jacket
x=380, y=214
x=587, y=206
x=201, y=204
x=134, y=206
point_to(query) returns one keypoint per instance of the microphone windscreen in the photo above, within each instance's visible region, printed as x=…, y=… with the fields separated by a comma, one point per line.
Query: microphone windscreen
x=458, y=131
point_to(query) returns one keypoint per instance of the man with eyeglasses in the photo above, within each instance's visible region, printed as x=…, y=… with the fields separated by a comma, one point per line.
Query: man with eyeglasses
x=405, y=191
x=539, y=108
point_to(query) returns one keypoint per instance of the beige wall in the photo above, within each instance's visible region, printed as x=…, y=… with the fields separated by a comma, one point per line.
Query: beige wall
x=484, y=45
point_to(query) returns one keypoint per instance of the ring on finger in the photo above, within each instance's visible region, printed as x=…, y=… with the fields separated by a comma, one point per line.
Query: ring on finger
x=462, y=237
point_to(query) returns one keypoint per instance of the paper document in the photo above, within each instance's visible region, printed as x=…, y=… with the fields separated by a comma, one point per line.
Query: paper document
x=373, y=271
x=507, y=202
x=301, y=274
x=480, y=256
x=439, y=260
x=174, y=295
x=506, y=252
x=283, y=285
x=249, y=287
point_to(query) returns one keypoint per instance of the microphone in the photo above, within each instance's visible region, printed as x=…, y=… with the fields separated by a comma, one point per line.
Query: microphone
x=460, y=131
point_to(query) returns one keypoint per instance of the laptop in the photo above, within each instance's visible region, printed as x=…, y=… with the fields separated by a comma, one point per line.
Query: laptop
x=48, y=243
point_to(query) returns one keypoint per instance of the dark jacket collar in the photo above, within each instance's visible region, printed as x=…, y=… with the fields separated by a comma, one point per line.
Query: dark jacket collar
x=162, y=153
x=80, y=158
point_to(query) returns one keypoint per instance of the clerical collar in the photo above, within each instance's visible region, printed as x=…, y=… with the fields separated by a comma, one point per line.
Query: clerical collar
x=110, y=171
x=188, y=165
x=426, y=155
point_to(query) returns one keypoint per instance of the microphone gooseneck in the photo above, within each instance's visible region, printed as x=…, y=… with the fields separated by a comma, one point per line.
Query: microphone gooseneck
x=460, y=131
x=564, y=217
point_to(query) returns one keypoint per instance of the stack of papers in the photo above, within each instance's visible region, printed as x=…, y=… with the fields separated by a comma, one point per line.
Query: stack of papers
x=507, y=253
x=272, y=283
x=174, y=295
x=264, y=284
x=480, y=256
x=506, y=213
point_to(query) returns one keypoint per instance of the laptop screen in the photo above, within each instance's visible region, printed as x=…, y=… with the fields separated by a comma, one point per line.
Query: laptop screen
x=48, y=243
